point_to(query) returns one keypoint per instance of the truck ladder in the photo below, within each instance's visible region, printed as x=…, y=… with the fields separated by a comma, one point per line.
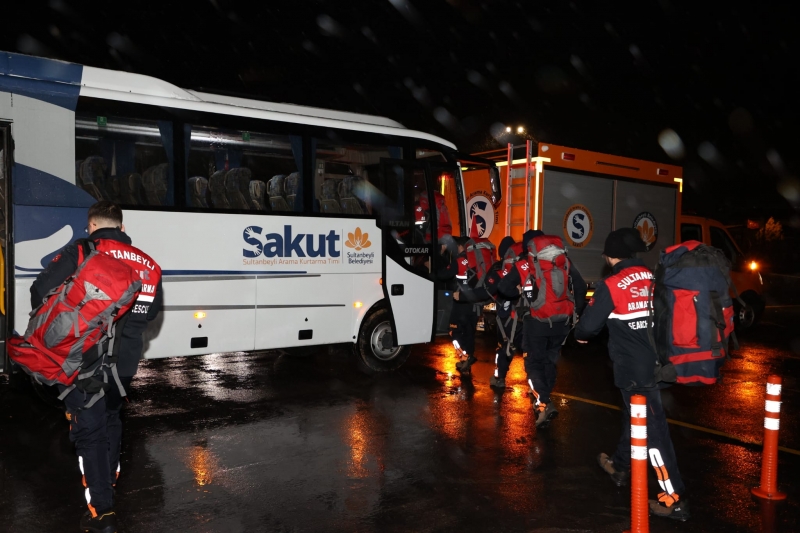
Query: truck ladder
x=518, y=206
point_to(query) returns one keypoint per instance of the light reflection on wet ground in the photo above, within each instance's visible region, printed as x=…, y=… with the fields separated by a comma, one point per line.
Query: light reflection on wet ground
x=262, y=442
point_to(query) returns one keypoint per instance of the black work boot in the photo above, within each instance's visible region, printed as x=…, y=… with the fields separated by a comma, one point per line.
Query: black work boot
x=464, y=366
x=497, y=383
x=102, y=523
x=545, y=413
x=679, y=510
x=619, y=477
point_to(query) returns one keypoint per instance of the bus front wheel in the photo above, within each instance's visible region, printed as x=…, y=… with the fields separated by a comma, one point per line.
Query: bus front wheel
x=373, y=348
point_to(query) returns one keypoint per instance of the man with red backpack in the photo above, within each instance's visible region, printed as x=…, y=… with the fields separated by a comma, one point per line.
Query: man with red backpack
x=554, y=294
x=509, y=336
x=622, y=302
x=475, y=258
x=95, y=428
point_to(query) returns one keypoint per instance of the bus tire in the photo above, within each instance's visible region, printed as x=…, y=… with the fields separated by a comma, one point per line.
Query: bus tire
x=373, y=349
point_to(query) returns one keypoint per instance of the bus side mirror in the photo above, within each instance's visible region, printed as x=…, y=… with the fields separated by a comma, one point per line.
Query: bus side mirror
x=494, y=180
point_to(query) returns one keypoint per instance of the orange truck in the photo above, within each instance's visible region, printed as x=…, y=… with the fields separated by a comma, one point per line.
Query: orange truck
x=582, y=195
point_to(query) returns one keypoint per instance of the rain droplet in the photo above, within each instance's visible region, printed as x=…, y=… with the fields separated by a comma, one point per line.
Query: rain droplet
x=671, y=143
x=329, y=26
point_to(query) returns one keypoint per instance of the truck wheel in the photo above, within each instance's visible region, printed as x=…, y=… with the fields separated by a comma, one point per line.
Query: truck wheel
x=748, y=315
x=373, y=348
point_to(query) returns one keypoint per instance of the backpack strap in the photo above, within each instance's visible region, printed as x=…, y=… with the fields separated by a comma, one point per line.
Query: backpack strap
x=718, y=318
x=513, y=334
x=501, y=327
x=651, y=316
x=85, y=249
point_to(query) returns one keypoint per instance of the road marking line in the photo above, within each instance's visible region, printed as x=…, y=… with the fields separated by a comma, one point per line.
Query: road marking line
x=781, y=306
x=678, y=423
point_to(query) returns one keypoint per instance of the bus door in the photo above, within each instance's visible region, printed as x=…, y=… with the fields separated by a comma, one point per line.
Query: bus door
x=447, y=189
x=5, y=263
x=409, y=235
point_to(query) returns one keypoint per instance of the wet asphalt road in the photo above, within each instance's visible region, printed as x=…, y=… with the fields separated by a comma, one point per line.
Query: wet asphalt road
x=265, y=442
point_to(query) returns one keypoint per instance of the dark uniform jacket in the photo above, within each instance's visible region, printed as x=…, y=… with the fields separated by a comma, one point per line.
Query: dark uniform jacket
x=491, y=291
x=622, y=301
x=129, y=343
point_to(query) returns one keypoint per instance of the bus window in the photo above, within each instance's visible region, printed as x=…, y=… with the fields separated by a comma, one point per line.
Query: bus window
x=720, y=239
x=691, y=232
x=127, y=161
x=450, y=213
x=346, y=176
x=244, y=170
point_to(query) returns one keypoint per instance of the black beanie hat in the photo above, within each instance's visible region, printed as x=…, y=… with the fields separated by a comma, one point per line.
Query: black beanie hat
x=623, y=243
x=505, y=244
x=527, y=236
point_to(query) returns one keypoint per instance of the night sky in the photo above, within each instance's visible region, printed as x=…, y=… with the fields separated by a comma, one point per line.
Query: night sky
x=715, y=81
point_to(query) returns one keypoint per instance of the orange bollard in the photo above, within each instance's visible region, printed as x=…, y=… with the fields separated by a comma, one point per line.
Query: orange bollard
x=769, y=458
x=640, y=511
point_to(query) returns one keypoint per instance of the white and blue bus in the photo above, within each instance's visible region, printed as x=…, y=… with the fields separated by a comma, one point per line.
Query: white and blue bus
x=277, y=226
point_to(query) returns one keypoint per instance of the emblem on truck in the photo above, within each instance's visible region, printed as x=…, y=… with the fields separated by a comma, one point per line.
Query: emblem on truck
x=646, y=223
x=481, y=215
x=578, y=225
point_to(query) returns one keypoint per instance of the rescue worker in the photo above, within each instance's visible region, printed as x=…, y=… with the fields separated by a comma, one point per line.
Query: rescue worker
x=542, y=340
x=509, y=337
x=97, y=431
x=634, y=361
x=465, y=313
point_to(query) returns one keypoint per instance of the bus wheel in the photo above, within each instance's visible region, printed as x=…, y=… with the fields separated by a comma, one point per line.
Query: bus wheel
x=374, y=350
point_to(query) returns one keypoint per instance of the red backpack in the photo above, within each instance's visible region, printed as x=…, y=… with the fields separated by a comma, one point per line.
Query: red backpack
x=73, y=318
x=510, y=259
x=548, y=268
x=480, y=257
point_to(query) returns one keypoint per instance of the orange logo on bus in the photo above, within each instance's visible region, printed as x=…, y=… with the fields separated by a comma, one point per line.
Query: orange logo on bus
x=358, y=240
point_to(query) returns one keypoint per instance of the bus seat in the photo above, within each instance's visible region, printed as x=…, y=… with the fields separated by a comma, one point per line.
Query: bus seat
x=216, y=187
x=198, y=188
x=292, y=186
x=130, y=187
x=154, y=181
x=90, y=177
x=275, y=189
x=348, y=200
x=329, y=198
x=233, y=189
x=257, y=190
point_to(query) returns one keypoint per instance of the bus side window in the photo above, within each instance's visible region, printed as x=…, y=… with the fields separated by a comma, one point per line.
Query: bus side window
x=124, y=160
x=691, y=232
x=347, y=176
x=243, y=170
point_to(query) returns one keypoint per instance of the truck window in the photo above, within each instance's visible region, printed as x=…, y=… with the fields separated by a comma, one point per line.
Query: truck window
x=691, y=232
x=720, y=239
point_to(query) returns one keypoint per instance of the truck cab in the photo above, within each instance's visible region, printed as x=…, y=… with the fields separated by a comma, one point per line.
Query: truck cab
x=744, y=271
